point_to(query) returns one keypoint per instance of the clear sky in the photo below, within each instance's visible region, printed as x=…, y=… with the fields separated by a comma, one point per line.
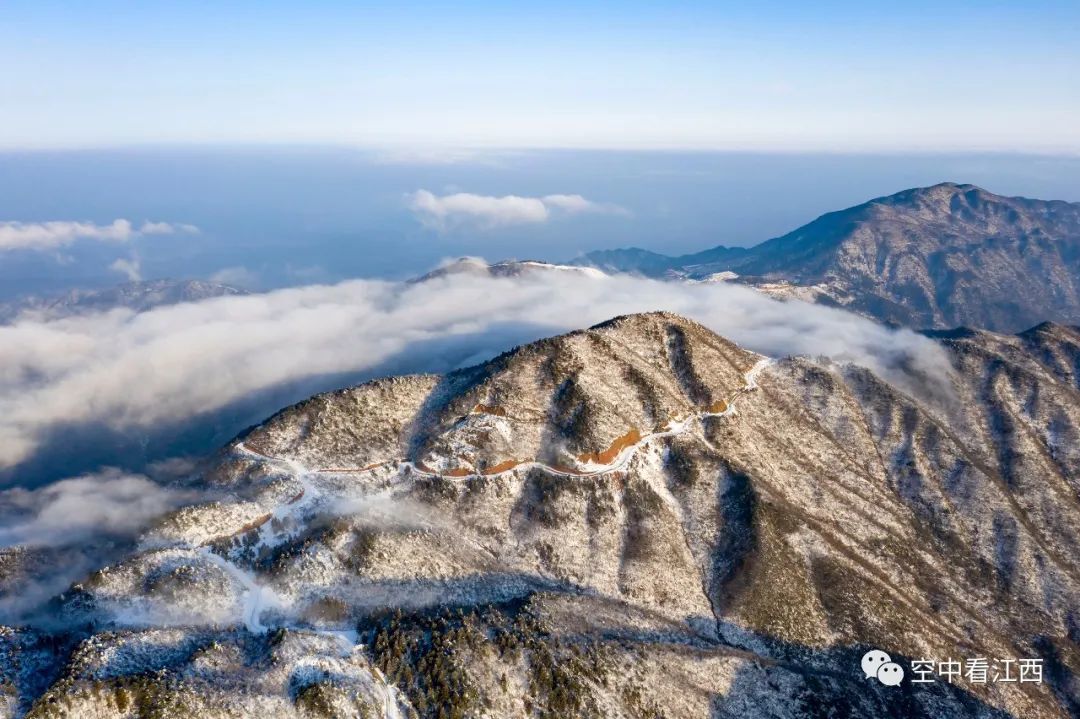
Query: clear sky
x=773, y=75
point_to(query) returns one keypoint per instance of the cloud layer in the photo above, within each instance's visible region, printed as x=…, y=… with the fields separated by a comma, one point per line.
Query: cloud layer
x=69, y=528
x=130, y=372
x=487, y=211
x=60, y=233
x=65, y=512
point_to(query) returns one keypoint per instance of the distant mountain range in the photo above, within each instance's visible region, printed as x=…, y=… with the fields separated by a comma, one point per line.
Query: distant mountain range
x=936, y=257
x=137, y=296
x=933, y=257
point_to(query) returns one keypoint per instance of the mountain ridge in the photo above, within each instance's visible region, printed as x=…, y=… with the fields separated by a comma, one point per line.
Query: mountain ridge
x=933, y=257
x=139, y=296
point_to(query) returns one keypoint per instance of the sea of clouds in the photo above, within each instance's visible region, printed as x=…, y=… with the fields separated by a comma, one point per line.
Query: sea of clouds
x=131, y=371
x=134, y=373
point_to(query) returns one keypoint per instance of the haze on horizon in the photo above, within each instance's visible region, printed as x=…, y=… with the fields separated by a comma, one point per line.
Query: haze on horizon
x=279, y=144
x=839, y=76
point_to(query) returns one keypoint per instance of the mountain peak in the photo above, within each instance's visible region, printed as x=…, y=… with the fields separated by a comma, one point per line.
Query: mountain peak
x=939, y=256
x=636, y=320
x=949, y=187
x=564, y=401
x=946, y=196
x=1052, y=329
x=504, y=268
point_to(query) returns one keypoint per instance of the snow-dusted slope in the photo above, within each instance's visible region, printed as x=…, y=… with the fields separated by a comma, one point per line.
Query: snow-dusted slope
x=639, y=519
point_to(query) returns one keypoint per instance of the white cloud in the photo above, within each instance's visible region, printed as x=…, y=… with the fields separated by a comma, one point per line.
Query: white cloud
x=445, y=211
x=132, y=269
x=570, y=203
x=70, y=528
x=129, y=371
x=108, y=502
x=235, y=277
x=167, y=228
x=60, y=233
x=483, y=209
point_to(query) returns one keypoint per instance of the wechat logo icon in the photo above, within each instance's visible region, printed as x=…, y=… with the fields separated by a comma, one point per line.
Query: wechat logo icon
x=877, y=664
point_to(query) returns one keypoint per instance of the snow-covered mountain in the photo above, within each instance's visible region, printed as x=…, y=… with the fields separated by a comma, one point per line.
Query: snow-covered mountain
x=138, y=296
x=506, y=268
x=638, y=519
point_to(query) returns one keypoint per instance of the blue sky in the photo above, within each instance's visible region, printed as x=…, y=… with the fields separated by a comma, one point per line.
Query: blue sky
x=836, y=76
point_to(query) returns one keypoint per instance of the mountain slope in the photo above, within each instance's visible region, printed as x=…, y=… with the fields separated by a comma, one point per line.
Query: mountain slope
x=940, y=256
x=639, y=519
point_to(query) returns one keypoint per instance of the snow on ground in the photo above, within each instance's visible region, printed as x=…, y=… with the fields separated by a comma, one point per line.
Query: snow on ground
x=194, y=582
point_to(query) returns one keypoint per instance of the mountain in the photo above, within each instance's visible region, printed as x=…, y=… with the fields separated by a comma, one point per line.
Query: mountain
x=934, y=257
x=506, y=268
x=137, y=296
x=641, y=519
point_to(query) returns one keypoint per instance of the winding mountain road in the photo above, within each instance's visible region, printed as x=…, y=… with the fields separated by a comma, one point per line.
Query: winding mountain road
x=259, y=597
x=618, y=464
